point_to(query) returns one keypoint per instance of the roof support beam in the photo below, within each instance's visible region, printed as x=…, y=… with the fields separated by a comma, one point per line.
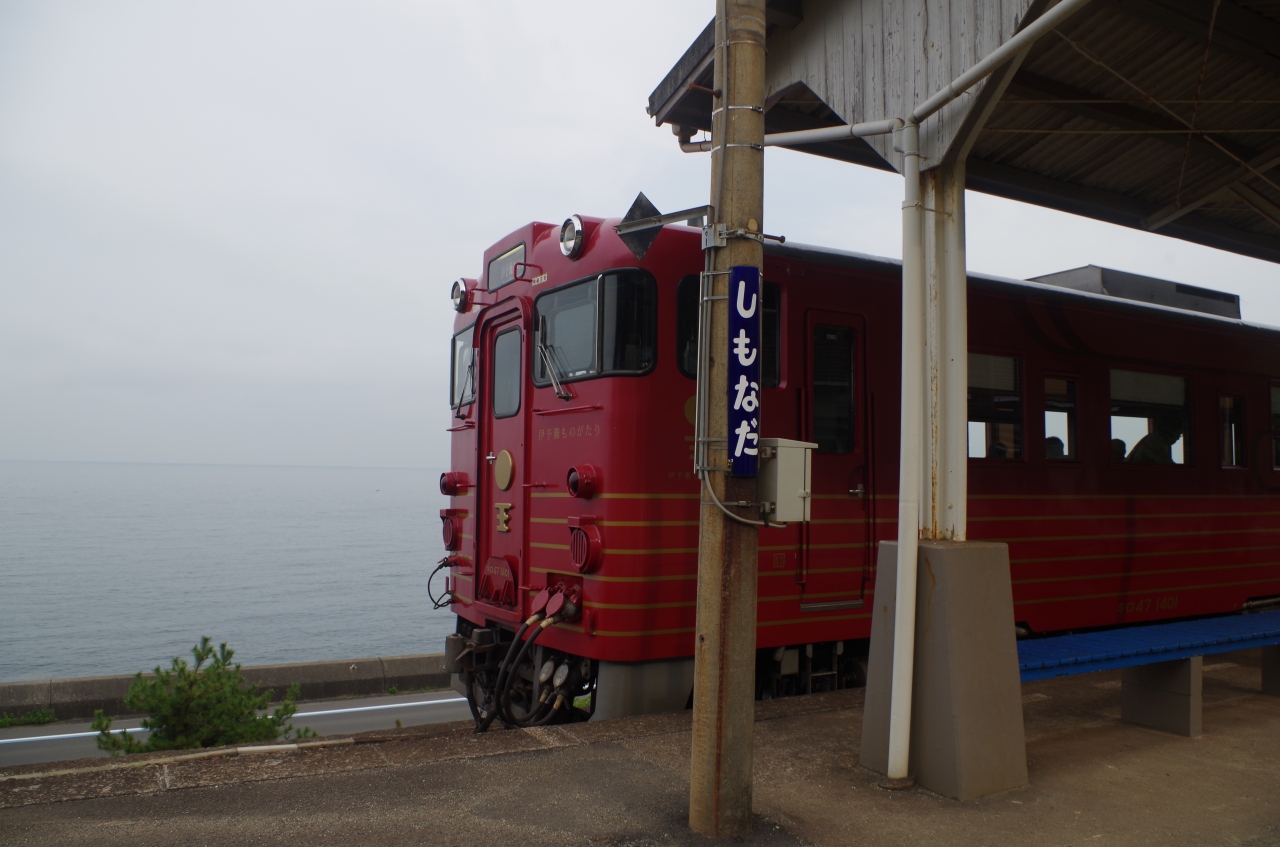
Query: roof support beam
x=1120, y=116
x=1258, y=203
x=1112, y=207
x=988, y=99
x=1197, y=195
x=1245, y=34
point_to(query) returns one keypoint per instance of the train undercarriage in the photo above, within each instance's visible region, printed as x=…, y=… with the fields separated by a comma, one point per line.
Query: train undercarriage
x=512, y=681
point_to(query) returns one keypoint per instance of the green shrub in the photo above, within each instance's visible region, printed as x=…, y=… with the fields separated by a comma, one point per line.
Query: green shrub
x=200, y=706
x=37, y=716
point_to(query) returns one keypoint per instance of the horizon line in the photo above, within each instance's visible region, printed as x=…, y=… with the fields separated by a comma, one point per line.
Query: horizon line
x=227, y=464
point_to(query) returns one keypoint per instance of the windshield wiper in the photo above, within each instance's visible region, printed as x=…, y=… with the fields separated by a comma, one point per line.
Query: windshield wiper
x=469, y=380
x=561, y=392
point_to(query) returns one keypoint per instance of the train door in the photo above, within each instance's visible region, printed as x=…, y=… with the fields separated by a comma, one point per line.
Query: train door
x=836, y=552
x=500, y=518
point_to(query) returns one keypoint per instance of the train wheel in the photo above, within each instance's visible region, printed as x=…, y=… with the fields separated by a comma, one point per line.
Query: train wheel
x=481, y=697
x=522, y=704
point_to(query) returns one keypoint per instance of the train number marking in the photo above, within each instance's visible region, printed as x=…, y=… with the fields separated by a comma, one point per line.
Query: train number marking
x=1161, y=604
x=555, y=433
x=504, y=516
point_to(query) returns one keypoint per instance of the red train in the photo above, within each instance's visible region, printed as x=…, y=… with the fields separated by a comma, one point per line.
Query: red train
x=1127, y=452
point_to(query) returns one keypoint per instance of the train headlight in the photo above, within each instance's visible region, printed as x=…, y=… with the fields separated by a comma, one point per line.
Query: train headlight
x=581, y=481
x=571, y=234
x=458, y=294
x=452, y=483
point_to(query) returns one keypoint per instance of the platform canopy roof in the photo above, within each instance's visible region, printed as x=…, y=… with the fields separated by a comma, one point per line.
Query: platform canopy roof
x=1161, y=115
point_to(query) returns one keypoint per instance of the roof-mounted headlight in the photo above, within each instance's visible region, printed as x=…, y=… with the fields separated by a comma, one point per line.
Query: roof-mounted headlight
x=458, y=294
x=571, y=237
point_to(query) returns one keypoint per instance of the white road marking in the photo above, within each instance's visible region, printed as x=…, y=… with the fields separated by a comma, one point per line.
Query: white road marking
x=296, y=715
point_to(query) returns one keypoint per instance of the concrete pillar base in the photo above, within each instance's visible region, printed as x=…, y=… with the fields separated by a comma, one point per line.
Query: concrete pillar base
x=1164, y=696
x=967, y=738
x=1271, y=670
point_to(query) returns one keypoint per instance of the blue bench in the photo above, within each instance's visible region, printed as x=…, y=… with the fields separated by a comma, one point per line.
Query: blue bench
x=1161, y=663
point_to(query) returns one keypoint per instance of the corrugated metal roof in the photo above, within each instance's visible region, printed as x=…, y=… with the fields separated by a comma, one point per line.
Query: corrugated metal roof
x=1130, y=113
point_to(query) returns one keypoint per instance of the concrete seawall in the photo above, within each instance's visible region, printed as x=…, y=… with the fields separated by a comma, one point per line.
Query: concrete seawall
x=78, y=698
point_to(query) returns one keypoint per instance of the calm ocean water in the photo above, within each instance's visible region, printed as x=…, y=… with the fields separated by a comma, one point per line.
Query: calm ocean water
x=115, y=568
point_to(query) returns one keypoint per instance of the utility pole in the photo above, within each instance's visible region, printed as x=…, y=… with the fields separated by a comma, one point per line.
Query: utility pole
x=725, y=645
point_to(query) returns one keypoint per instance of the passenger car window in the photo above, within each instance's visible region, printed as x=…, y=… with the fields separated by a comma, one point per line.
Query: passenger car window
x=1231, y=427
x=1059, y=418
x=1149, y=418
x=1275, y=426
x=995, y=407
x=506, y=374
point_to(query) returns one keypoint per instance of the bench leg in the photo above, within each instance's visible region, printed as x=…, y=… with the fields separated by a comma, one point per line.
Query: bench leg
x=1271, y=669
x=1164, y=696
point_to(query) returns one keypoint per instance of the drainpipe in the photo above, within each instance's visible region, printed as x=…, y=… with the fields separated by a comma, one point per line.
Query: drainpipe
x=913, y=341
x=812, y=136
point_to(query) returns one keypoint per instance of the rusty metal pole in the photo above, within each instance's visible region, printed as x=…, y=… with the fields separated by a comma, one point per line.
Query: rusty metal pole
x=724, y=650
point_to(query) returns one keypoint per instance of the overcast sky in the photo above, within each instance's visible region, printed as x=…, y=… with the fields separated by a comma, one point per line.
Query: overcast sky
x=228, y=230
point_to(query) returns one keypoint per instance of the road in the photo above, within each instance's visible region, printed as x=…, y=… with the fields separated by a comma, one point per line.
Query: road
x=49, y=743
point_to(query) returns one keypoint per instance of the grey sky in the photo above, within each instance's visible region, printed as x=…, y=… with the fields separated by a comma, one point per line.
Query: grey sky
x=228, y=231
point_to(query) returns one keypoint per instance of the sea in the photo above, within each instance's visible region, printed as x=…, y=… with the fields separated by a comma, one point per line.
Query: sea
x=114, y=568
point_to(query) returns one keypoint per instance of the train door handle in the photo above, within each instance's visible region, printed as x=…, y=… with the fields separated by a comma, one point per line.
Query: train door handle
x=860, y=491
x=491, y=458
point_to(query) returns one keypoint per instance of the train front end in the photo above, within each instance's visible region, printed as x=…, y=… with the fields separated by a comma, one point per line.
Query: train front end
x=571, y=531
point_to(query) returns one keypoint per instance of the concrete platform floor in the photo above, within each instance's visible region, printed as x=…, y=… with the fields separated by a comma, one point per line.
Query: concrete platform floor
x=1094, y=781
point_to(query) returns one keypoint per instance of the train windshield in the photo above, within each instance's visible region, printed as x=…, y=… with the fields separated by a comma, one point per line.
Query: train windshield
x=604, y=325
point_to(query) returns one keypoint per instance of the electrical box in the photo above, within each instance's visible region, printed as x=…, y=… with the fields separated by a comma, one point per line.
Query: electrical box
x=783, y=486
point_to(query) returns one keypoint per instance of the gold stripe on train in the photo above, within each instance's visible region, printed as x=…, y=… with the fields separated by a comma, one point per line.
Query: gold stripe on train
x=598, y=578
x=562, y=522
x=683, y=604
x=817, y=617
x=542, y=495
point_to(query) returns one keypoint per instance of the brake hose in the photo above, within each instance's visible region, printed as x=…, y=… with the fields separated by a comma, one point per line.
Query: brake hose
x=538, y=606
x=559, y=608
x=504, y=689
